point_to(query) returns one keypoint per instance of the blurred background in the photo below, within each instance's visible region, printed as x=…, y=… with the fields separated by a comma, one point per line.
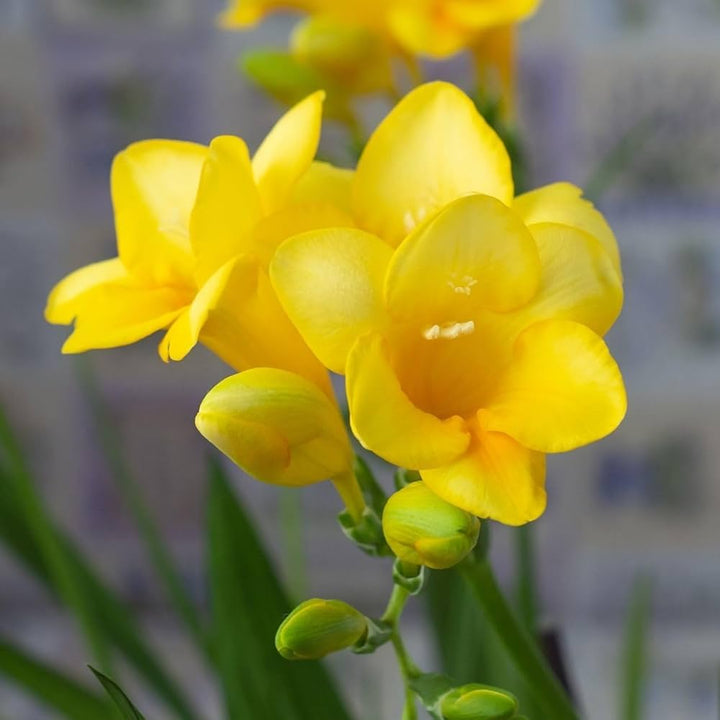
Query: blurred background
x=619, y=96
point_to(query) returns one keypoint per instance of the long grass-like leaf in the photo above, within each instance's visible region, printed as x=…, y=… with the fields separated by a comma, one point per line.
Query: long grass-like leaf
x=43, y=533
x=124, y=481
x=635, y=651
x=17, y=533
x=520, y=646
x=56, y=691
x=127, y=710
x=248, y=603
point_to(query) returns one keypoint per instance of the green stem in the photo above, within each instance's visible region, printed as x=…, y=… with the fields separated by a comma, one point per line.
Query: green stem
x=408, y=669
x=525, y=654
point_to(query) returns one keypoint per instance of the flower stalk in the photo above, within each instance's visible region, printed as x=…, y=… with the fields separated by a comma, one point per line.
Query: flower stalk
x=408, y=670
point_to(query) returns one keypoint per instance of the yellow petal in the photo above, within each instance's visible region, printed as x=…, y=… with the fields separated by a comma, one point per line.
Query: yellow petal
x=385, y=421
x=420, y=30
x=475, y=253
x=563, y=203
x=579, y=281
x=66, y=298
x=246, y=13
x=277, y=426
x=478, y=15
x=561, y=390
x=325, y=183
x=431, y=149
x=275, y=229
x=237, y=315
x=288, y=151
x=122, y=312
x=496, y=478
x=238, y=275
x=227, y=206
x=330, y=284
x=153, y=185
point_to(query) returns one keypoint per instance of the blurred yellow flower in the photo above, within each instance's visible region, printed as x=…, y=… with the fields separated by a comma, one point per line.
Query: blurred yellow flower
x=467, y=321
x=350, y=44
x=281, y=429
x=196, y=227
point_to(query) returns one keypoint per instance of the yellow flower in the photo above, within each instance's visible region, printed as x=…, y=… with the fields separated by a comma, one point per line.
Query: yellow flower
x=246, y=13
x=281, y=429
x=441, y=28
x=196, y=227
x=467, y=321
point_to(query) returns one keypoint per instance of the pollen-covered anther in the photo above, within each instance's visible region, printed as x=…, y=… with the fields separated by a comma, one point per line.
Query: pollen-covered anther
x=449, y=330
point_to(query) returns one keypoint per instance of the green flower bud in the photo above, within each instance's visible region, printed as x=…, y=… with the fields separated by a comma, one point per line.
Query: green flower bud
x=423, y=529
x=478, y=702
x=318, y=627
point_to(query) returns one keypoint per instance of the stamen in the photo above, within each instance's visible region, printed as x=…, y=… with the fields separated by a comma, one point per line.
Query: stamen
x=449, y=330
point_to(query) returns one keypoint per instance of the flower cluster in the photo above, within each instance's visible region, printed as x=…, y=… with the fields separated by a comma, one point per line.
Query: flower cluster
x=348, y=47
x=466, y=320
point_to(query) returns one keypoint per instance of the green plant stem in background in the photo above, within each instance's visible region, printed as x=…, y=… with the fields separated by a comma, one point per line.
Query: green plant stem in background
x=408, y=669
x=633, y=667
x=130, y=492
x=524, y=652
x=618, y=158
x=291, y=522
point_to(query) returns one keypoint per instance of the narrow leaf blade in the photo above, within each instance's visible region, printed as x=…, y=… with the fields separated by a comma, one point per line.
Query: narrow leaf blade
x=50, y=687
x=127, y=710
x=248, y=604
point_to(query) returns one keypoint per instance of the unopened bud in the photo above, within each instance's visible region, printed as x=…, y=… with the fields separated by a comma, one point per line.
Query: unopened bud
x=277, y=426
x=318, y=627
x=478, y=702
x=423, y=529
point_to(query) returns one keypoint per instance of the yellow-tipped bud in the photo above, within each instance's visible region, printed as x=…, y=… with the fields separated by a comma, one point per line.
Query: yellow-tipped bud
x=318, y=627
x=478, y=702
x=352, y=55
x=423, y=529
x=277, y=426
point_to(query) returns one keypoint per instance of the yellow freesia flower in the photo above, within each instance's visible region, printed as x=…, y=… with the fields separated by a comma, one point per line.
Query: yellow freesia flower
x=467, y=321
x=431, y=28
x=196, y=227
x=281, y=429
x=354, y=41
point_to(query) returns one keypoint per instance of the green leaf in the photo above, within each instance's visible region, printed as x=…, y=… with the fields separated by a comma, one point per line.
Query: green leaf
x=128, y=488
x=635, y=651
x=127, y=710
x=61, y=571
x=526, y=587
x=520, y=646
x=248, y=604
x=50, y=687
x=18, y=533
